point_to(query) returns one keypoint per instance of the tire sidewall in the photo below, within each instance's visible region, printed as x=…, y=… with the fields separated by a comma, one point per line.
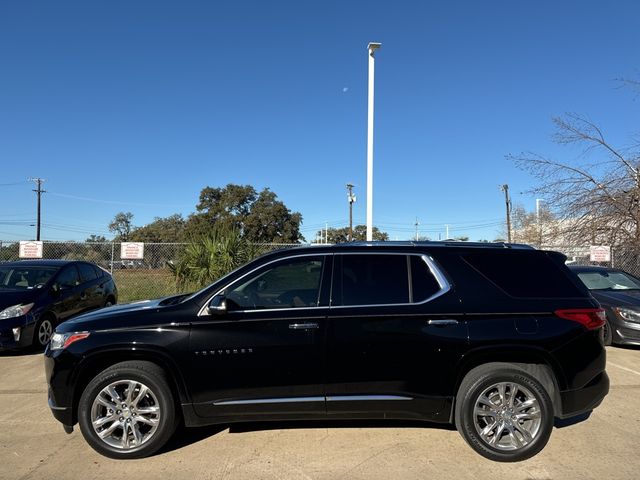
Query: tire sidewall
x=36, y=331
x=466, y=403
x=163, y=394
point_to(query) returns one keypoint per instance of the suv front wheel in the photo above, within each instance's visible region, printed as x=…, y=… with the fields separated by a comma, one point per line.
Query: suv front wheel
x=127, y=411
x=504, y=413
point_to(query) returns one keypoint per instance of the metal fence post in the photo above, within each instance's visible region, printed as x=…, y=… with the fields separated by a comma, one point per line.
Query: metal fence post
x=111, y=264
x=612, y=249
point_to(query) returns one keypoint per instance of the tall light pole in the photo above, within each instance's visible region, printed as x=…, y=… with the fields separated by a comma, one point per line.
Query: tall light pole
x=371, y=48
x=351, y=198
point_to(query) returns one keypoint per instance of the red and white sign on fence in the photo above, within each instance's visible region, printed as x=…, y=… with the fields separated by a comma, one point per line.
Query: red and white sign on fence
x=600, y=253
x=30, y=249
x=132, y=250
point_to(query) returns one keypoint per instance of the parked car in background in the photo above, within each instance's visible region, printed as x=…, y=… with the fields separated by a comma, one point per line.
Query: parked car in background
x=36, y=295
x=619, y=294
x=498, y=339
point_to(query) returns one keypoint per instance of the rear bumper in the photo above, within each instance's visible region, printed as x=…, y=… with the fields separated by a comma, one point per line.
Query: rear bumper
x=585, y=399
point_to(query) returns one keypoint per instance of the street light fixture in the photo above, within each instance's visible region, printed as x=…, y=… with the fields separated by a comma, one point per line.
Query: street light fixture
x=351, y=199
x=371, y=48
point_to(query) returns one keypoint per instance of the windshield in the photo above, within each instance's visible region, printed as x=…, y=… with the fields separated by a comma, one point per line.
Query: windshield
x=25, y=278
x=609, y=281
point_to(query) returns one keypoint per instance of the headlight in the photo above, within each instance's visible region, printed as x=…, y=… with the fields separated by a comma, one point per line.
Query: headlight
x=60, y=341
x=628, y=314
x=15, y=311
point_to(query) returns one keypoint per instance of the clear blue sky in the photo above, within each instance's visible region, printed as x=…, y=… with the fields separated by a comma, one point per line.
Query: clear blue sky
x=138, y=105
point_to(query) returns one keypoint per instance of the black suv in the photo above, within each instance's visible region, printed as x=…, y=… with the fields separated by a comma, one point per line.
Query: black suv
x=498, y=339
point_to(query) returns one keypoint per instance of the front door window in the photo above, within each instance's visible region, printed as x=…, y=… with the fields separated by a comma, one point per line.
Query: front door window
x=292, y=283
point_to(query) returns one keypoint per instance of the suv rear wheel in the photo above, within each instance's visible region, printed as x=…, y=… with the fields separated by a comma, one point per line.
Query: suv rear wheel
x=504, y=413
x=127, y=411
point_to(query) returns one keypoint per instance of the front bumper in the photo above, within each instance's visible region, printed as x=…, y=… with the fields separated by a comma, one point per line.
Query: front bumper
x=626, y=333
x=7, y=338
x=583, y=400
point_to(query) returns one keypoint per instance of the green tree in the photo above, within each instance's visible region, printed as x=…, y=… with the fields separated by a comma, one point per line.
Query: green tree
x=122, y=225
x=169, y=229
x=341, y=235
x=209, y=257
x=260, y=217
x=269, y=220
x=96, y=239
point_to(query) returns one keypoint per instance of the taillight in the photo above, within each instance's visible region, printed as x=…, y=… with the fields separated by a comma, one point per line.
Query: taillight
x=591, y=318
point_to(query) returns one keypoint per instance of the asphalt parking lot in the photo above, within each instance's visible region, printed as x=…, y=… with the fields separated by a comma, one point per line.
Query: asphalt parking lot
x=33, y=445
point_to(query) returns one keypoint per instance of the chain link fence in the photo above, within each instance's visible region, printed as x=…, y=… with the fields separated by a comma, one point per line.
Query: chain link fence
x=150, y=277
x=623, y=258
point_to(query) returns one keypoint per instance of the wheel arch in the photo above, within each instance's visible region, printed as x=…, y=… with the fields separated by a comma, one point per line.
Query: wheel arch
x=536, y=362
x=96, y=363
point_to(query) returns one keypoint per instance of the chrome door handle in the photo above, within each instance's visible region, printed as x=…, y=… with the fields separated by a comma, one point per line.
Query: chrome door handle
x=303, y=326
x=443, y=321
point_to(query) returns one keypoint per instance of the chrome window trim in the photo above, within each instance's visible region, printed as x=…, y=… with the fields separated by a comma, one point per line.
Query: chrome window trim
x=204, y=313
x=444, y=284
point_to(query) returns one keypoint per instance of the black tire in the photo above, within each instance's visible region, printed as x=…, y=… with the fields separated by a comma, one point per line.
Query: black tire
x=607, y=333
x=142, y=373
x=109, y=302
x=483, y=379
x=42, y=331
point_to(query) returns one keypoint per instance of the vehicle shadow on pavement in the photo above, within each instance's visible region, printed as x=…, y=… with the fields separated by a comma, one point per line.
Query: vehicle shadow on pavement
x=187, y=436
x=21, y=353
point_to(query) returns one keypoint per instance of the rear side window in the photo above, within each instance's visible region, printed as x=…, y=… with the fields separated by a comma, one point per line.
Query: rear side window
x=87, y=273
x=423, y=283
x=529, y=274
x=374, y=279
x=68, y=277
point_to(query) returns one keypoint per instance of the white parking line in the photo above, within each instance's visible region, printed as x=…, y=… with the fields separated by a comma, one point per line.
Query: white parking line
x=623, y=368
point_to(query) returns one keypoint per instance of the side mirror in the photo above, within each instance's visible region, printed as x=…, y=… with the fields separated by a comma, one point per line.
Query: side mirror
x=217, y=305
x=55, y=289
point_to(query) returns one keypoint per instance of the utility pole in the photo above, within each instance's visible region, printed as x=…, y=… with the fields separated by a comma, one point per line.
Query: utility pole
x=539, y=225
x=507, y=202
x=39, y=192
x=447, y=228
x=326, y=232
x=372, y=47
x=351, y=198
x=417, y=224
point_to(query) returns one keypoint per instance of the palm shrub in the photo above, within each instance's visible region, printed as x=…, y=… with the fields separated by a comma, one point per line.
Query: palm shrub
x=209, y=257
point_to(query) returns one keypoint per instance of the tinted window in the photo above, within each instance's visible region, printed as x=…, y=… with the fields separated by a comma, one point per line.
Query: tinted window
x=423, y=283
x=68, y=277
x=17, y=278
x=524, y=274
x=289, y=284
x=374, y=279
x=87, y=273
x=99, y=272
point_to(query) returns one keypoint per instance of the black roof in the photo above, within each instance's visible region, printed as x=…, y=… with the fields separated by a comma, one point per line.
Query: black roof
x=402, y=245
x=39, y=263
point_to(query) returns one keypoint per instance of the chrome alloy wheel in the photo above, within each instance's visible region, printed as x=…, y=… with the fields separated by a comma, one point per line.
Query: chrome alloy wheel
x=125, y=414
x=507, y=416
x=45, y=330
